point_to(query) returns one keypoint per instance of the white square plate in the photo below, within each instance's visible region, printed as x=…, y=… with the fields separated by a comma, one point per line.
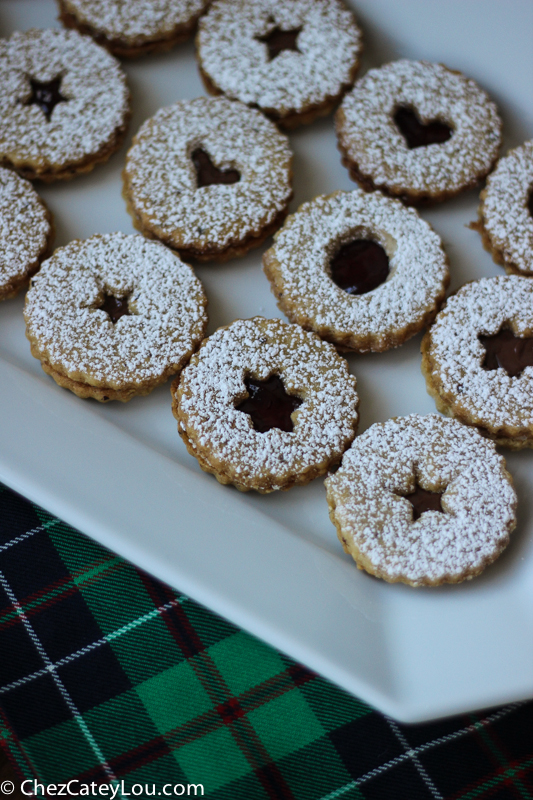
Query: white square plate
x=272, y=564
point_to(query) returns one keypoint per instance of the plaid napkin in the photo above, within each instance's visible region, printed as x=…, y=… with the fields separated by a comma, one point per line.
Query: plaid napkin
x=108, y=676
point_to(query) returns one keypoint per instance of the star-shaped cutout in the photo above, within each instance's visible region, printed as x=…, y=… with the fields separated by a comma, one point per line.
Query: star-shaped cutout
x=115, y=307
x=46, y=95
x=269, y=405
x=511, y=353
x=422, y=501
x=278, y=40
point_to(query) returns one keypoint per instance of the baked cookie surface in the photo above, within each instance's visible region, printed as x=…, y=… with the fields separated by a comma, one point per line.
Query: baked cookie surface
x=26, y=232
x=361, y=270
x=265, y=405
x=419, y=131
x=64, y=104
x=209, y=177
x=114, y=316
x=130, y=28
x=506, y=212
x=293, y=59
x=422, y=501
x=477, y=358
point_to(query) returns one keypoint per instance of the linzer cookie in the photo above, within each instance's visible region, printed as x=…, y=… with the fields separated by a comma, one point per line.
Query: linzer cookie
x=64, y=104
x=26, y=232
x=419, y=131
x=361, y=270
x=506, y=212
x=132, y=28
x=265, y=405
x=293, y=59
x=422, y=501
x=477, y=358
x=209, y=177
x=114, y=316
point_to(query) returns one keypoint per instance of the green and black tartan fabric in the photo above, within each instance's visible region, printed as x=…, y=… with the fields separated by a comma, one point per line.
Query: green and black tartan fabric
x=109, y=676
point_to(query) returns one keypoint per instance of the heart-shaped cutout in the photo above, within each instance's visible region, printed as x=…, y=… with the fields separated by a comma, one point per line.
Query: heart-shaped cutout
x=206, y=172
x=420, y=134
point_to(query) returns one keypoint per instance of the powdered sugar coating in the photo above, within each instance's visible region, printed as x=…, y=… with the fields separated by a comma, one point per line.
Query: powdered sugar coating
x=167, y=311
x=505, y=215
x=298, y=267
x=454, y=355
x=441, y=455
x=93, y=83
x=370, y=139
x=137, y=20
x=25, y=231
x=160, y=178
x=237, y=63
x=213, y=383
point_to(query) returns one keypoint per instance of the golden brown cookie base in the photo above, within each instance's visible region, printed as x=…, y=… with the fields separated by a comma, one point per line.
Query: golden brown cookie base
x=234, y=250
x=85, y=390
x=497, y=255
x=66, y=172
x=124, y=48
x=14, y=286
x=101, y=393
x=507, y=436
x=352, y=341
x=365, y=564
x=408, y=196
x=294, y=120
x=222, y=476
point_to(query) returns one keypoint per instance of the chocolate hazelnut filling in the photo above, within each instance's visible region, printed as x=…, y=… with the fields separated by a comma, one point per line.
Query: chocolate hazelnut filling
x=530, y=202
x=206, y=172
x=278, y=40
x=46, y=95
x=420, y=134
x=359, y=266
x=511, y=353
x=422, y=501
x=269, y=405
x=115, y=307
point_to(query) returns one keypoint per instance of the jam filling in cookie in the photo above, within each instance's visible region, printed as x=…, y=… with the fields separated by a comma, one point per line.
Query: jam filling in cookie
x=278, y=40
x=46, y=95
x=293, y=59
x=115, y=307
x=422, y=500
x=477, y=358
x=511, y=353
x=114, y=316
x=269, y=405
x=65, y=104
x=265, y=405
x=360, y=269
x=417, y=133
x=209, y=177
x=360, y=266
x=206, y=172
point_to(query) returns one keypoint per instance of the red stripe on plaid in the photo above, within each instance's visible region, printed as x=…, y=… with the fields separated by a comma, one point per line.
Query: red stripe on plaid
x=495, y=781
x=56, y=586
